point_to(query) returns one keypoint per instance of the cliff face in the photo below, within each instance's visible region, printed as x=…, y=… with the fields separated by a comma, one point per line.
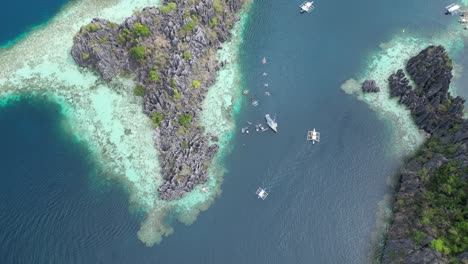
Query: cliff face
x=171, y=53
x=430, y=221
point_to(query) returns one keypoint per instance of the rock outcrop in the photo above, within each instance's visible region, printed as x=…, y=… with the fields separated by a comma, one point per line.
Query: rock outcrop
x=170, y=52
x=370, y=86
x=430, y=215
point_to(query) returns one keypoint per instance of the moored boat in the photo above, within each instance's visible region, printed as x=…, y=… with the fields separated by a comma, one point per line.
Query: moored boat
x=271, y=123
x=306, y=7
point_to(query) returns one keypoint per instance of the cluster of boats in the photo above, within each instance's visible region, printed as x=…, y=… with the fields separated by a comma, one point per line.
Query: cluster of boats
x=270, y=121
x=312, y=135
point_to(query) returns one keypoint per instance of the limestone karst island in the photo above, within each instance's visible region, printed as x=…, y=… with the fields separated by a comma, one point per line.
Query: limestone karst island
x=234, y=131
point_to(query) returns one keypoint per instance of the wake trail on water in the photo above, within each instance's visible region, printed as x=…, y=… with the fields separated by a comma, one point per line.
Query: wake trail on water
x=288, y=169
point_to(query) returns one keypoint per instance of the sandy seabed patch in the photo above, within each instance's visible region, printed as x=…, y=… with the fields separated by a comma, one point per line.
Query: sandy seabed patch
x=108, y=117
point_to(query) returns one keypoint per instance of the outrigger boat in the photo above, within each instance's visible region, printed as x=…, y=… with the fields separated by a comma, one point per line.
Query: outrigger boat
x=261, y=193
x=313, y=136
x=307, y=7
x=264, y=60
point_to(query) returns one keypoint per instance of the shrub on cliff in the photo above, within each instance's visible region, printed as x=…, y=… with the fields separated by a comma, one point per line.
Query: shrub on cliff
x=154, y=75
x=176, y=94
x=139, y=90
x=92, y=27
x=187, y=55
x=168, y=8
x=214, y=22
x=137, y=52
x=196, y=84
x=141, y=30
x=189, y=26
x=185, y=120
x=156, y=118
x=218, y=6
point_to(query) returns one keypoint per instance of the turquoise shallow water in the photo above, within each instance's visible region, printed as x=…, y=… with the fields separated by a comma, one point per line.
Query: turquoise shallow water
x=324, y=199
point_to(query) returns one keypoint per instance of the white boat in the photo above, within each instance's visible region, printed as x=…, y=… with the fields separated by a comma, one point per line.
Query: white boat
x=264, y=60
x=452, y=9
x=261, y=193
x=245, y=92
x=254, y=102
x=313, y=136
x=271, y=123
x=306, y=7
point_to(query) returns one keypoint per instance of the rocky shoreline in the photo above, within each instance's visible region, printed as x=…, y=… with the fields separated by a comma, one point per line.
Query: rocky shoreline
x=170, y=52
x=430, y=220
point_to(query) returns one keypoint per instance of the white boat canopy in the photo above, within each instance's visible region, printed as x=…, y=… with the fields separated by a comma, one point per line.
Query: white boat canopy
x=262, y=194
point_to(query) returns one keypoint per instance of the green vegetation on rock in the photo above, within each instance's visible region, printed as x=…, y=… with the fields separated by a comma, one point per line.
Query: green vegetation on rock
x=418, y=236
x=185, y=120
x=196, y=84
x=214, y=22
x=139, y=90
x=443, y=208
x=92, y=27
x=137, y=52
x=189, y=26
x=168, y=8
x=123, y=36
x=156, y=118
x=85, y=56
x=154, y=75
x=218, y=6
x=176, y=94
x=187, y=55
x=141, y=30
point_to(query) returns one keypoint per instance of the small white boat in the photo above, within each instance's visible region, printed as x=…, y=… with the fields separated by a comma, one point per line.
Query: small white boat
x=254, y=102
x=245, y=92
x=267, y=94
x=261, y=193
x=265, y=74
x=313, y=136
x=271, y=123
x=264, y=60
x=307, y=7
x=266, y=85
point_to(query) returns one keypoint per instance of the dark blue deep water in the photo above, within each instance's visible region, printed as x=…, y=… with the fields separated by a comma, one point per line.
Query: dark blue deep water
x=19, y=17
x=56, y=207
